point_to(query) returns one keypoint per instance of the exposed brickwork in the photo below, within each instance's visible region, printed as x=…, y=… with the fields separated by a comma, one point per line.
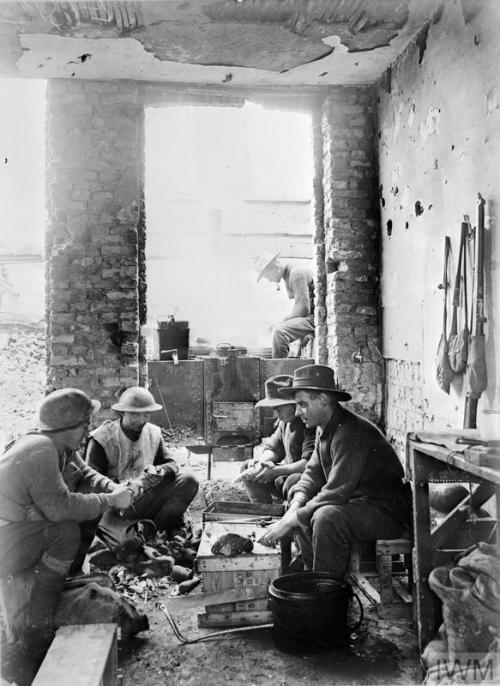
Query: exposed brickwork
x=405, y=407
x=320, y=343
x=93, y=172
x=351, y=245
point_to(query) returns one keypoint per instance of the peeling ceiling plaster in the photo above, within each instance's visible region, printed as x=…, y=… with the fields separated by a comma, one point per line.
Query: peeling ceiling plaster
x=242, y=42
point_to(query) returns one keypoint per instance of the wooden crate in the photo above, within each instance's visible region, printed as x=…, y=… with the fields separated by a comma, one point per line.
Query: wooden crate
x=81, y=655
x=257, y=568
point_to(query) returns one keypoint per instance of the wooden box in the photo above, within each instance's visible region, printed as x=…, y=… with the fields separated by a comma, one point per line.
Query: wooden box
x=257, y=568
x=81, y=655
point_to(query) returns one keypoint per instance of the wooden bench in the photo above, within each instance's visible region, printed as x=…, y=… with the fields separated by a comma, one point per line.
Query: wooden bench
x=81, y=655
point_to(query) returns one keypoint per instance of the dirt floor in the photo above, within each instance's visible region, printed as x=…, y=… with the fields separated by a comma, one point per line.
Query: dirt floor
x=379, y=652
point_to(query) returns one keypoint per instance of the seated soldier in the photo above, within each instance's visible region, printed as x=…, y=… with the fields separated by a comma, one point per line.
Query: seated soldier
x=352, y=488
x=285, y=453
x=39, y=513
x=130, y=447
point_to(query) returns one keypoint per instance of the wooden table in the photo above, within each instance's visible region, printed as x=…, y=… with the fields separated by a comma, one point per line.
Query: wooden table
x=428, y=462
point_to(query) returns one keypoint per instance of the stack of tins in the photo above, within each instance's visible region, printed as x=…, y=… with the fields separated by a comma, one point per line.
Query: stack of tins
x=247, y=574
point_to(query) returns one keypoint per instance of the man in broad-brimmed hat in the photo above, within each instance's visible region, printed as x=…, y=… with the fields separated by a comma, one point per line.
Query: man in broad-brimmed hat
x=298, y=280
x=352, y=488
x=285, y=453
x=131, y=447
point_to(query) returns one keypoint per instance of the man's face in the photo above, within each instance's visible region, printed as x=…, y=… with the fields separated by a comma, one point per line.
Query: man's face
x=74, y=437
x=285, y=413
x=135, y=420
x=310, y=408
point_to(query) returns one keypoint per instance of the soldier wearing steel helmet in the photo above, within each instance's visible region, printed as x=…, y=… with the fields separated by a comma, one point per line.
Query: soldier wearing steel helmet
x=131, y=447
x=40, y=510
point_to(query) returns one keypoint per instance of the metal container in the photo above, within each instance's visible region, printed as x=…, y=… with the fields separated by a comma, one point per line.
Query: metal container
x=173, y=335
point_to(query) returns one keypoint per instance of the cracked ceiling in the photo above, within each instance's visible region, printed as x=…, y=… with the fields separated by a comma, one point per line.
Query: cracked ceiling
x=245, y=42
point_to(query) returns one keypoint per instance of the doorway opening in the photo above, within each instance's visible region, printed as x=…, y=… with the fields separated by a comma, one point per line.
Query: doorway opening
x=222, y=186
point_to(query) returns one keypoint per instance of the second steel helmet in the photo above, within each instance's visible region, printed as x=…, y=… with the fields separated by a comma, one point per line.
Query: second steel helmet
x=65, y=409
x=136, y=399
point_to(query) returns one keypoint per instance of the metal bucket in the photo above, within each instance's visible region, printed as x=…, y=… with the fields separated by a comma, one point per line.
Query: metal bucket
x=309, y=612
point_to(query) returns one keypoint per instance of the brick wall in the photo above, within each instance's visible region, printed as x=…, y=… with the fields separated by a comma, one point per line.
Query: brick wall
x=351, y=259
x=94, y=162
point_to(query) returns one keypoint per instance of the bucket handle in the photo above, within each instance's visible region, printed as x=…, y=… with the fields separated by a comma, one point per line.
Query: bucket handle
x=361, y=614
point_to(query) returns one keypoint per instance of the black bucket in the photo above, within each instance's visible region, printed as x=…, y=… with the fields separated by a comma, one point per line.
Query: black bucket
x=309, y=612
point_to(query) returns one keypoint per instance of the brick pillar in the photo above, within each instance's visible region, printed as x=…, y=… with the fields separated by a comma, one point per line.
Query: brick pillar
x=352, y=245
x=320, y=343
x=94, y=134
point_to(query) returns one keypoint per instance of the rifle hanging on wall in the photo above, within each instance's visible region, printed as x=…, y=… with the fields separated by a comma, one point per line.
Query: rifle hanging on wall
x=476, y=376
x=458, y=341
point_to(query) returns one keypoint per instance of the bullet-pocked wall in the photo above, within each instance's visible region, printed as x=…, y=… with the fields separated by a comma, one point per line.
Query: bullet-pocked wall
x=439, y=146
x=97, y=228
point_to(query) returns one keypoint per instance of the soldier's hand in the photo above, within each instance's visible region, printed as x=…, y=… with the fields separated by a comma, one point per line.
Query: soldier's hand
x=152, y=476
x=136, y=487
x=121, y=498
x=266, y=474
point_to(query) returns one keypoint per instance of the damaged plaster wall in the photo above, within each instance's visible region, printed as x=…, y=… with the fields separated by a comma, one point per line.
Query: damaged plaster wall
x=94, y=171
x=351, y=246
x=439, y=146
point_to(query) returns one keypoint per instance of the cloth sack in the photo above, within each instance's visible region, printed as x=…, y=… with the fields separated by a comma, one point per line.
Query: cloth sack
x=458, y=350
x=471, y=601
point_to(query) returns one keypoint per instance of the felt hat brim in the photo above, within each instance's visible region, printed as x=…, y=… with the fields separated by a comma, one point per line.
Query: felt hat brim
x=339, y=395
x=274, y=402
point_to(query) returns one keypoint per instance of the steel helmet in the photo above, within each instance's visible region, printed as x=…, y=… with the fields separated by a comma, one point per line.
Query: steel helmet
x=65, y=409
x=136, y=399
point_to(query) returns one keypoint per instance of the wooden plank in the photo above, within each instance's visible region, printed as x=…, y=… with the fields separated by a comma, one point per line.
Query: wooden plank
x=427, y=608
x=384, y=565
x=234, y=619
x=241, y=606
x=402, y=590
x=213, y=582
x=366, y=588
x=396, y=546
x=81, y=655
x=229, y=595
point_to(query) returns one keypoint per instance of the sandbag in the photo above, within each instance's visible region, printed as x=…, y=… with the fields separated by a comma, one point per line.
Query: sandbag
x=465, y=617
